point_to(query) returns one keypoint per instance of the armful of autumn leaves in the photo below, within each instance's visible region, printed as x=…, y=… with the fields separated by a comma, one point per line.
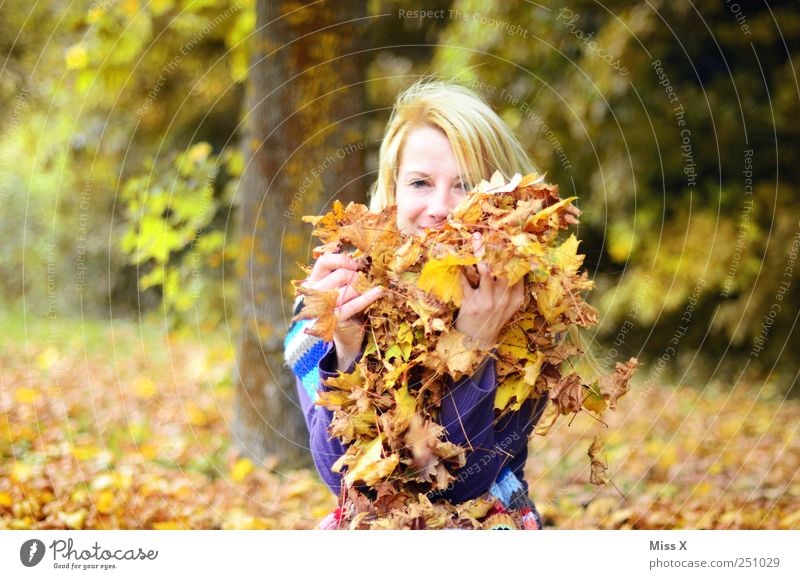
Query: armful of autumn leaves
x=385, y=412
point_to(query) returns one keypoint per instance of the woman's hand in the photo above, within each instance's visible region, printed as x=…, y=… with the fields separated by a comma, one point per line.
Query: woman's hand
x=485, y=310
x=338, y=271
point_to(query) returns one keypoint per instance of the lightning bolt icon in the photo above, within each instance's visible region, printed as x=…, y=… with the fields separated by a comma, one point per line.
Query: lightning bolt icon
x=33, y=550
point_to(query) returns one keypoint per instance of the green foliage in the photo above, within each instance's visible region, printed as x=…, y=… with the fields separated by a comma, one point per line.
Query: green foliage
x=171, y=234
x=95, y=94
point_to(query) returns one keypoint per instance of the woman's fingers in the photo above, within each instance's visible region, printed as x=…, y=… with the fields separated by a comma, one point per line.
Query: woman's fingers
x=338, y=278
x=479, y=249
x=356, y=305
x=492, y=294
x=477, y=245
x=330, y=262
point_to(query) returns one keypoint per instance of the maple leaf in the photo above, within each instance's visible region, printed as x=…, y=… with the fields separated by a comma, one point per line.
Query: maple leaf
x=568, y=394
x=551, y=299
x=345, y=382
x=366, y=231
x=458, y=353
x=407, y=255
x=441, y=277
x=614, y=385
x=326, y=226
x=566, y=257
x=599, y=467
x=511, y=393
x=370, y=467
x=405, y=408
x=545, y=217
x=319, y=304
x=593, y=400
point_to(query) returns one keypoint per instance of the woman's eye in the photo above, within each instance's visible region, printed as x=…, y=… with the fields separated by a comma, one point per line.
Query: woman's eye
x=419, y=184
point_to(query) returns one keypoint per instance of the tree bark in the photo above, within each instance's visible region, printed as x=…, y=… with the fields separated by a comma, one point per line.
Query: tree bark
x=304, y=147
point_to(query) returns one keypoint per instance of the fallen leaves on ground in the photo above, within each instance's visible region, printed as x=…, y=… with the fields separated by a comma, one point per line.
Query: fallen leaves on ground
x=134, y=435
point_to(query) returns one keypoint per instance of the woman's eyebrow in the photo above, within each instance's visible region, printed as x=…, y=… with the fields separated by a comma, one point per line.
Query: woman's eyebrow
x=423, y=174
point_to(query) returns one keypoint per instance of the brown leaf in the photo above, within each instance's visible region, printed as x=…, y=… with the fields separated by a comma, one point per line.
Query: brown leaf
x=458, y=353
x=319, y=304
x=599, y=467
x=615, y=385
x=568, y=394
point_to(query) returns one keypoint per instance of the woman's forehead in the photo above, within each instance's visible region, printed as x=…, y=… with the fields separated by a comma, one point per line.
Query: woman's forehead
x=427, y=150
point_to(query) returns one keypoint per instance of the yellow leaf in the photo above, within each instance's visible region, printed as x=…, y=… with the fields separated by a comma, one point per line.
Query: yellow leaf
x=544, y=214
x=196, y=416
x=515, y=268
x=5, y=500
x=346, y=382
x=239, y=519
x=73, y=520
x=470, y=209
x=85, y=452
x=168, y=526
x=25, y=395
x=241, y=469
x=513, y=343
x=509, y=390
x=442, y=277
x=406, y=407
x=105, y=502
x=566, y=256
x=370, y=467
x=592, y=400
x=76, y=57
x=533, y=368
x=550, y=299
x=21, y=472
x=551, y=414
x=458, y=353
x=144, y=387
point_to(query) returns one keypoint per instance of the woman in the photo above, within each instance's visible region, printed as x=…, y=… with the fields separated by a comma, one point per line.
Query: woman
x=441, y=139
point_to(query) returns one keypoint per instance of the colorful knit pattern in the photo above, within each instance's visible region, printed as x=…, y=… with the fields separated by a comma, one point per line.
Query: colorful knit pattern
x=512, y=497
x=302, y=353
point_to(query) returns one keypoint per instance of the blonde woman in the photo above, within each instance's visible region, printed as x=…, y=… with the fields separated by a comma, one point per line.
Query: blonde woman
x=441, y=139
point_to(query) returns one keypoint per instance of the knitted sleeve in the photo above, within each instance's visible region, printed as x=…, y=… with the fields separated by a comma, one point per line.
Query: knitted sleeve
x=312, y=360
x=467, y=414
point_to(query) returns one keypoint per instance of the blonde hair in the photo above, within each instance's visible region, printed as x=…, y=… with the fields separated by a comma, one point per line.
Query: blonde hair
x=482, y=143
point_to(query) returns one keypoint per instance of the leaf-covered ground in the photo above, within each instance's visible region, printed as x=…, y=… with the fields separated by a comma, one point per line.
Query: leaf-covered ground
x=103, y=429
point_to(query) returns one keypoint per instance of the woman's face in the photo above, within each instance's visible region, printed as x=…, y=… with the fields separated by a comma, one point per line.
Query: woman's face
x=428, y=182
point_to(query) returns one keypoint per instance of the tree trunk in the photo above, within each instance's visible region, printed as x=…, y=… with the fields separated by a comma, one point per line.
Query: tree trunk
x=304, y=147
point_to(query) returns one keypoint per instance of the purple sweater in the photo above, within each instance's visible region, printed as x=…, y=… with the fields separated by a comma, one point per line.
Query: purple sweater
x=467, y=413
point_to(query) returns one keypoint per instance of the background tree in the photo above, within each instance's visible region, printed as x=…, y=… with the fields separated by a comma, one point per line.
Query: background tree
x=304, y=137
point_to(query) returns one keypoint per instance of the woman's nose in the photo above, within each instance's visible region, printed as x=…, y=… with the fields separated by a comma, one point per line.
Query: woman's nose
x=440, y=206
